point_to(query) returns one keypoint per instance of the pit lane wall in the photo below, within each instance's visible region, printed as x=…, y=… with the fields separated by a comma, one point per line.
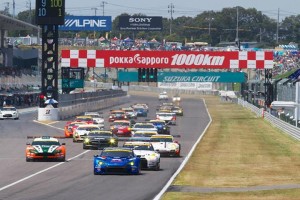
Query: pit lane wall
x=93, y=103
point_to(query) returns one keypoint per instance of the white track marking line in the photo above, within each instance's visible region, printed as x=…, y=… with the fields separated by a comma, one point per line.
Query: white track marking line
x=42, y=171
x=49, y=124
x=161, y=193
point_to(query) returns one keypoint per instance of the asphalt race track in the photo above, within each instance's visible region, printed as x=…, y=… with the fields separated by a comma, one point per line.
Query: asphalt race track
x=74, y=179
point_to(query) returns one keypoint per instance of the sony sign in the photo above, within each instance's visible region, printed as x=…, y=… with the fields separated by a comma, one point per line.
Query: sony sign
x=140, y=23
x=140, y=19
x=87, y=23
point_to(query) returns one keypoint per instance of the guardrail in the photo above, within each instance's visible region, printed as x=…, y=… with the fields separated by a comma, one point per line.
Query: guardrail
x=274, y=121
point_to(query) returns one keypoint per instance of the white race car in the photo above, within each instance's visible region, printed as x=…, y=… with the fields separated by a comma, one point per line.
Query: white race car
x=149, y=158
x=165, y=145
x=9, y=112
x=97, y=118
x=168, y=117
x=163, y=96
x=83, y=130
x=143, y=126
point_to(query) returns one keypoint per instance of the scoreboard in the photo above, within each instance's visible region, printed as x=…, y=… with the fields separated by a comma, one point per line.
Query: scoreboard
x=50, y=12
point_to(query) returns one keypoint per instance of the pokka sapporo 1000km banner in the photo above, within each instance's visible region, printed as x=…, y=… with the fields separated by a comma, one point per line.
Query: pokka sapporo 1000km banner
x=168, y=59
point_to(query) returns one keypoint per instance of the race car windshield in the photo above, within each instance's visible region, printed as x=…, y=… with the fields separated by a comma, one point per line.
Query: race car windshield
x=143, y=134
x=119, y=154
x=100, y=134
x=83, y=119
x=8, y=109
x=141, y=147
x=118, y=113
x=159, y=123
x=143, y=126
x=161, y=140
x=165, y=115
x=87, y=129
x=121, y=124
x=48, y=143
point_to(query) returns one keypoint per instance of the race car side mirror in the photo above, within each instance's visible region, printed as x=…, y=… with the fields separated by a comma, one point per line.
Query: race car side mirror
x=96, y=156
x=63, y=143
x=27, y=143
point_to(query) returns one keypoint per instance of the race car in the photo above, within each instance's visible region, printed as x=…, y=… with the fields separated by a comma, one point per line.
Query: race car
x=142, y=136
x=143, y=126
x=82, y=131
x=117, y=115
x=177, y=110
x=165, y=145
x=163, y=96
x=161, y=125
x=141, y=111
x=121, y=128
x=70, y=127
x=149, y=158
x=97, y=118
x=117, y=160
x=9, y=112
x=130, y=113
x=84, y=118
x=168, y=117
x=45, y=148
x=99, y=139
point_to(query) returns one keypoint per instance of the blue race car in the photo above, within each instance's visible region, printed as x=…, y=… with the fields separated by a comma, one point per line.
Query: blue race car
x=162, y=127
x=117, y=160
x=141, y=112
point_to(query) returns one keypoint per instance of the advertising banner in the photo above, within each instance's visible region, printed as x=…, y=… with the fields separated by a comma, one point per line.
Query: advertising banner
x=86, y=23
x=223, y=77
x=140, y=23
x=186, y=86
x=169, y=59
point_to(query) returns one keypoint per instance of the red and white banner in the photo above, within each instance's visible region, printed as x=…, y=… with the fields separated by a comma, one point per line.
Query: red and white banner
x=168, y=59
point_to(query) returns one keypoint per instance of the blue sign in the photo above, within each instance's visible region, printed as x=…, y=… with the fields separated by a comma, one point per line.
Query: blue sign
x=87, y=23
x=171, y=77
x=220, y=77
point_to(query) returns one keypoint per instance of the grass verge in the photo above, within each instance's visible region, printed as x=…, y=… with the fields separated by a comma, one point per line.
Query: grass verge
x=240, y=150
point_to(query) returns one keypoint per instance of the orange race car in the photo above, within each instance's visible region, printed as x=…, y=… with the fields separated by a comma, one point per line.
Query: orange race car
x=45, y=148
x=70, y=128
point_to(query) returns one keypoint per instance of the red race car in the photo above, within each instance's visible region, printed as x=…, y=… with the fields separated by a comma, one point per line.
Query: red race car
x=121, y=128
x=117, y=115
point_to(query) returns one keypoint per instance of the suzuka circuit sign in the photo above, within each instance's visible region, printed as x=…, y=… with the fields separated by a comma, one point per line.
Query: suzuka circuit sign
x=168, y=59
x=196, y=77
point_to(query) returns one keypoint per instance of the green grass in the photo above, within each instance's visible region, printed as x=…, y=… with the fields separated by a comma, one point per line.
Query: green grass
x=240, y=150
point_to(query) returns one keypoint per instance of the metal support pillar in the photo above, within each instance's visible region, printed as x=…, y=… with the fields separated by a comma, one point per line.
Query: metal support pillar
x=268, y=88
x=50, y=61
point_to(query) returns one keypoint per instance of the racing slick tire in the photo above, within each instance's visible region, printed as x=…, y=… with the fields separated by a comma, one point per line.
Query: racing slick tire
x=157, y=167
x=28, y=159
x=84, y=146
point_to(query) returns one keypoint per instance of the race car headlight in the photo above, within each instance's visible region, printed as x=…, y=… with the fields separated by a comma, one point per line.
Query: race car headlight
x=151, y=156
x=110, y=116
x=165, y=128
x=86, y=140
x=32, y=150
x=131, y=163
x=173, y=146
x=112, y=140
x=100, y=163
x=58, y=151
